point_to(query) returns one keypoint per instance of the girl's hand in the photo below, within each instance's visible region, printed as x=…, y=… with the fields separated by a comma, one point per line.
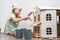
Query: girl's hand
x=26, y=18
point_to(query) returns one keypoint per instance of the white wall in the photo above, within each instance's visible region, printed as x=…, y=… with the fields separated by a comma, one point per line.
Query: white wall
x=4, y=11
x=27, y=5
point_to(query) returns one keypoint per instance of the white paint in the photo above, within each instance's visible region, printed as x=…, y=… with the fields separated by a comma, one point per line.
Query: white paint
x=45, y=24
x=48, y=7
x=27, y=5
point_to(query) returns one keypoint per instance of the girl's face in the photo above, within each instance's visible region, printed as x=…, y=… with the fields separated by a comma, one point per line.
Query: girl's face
x=17, y=11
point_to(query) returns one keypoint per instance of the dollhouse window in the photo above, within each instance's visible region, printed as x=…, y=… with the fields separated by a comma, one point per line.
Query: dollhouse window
x=34, y=18
x=48, y=17
x=49, y=31
x=38, y=17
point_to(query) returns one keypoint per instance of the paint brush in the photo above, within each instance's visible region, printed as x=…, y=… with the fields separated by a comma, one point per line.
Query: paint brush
x=29, y=15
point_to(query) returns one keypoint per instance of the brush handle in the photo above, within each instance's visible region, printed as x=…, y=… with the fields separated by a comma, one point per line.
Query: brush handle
x=30, y=13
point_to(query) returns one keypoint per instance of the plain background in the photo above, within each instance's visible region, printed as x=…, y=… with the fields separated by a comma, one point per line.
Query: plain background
x=27, y=5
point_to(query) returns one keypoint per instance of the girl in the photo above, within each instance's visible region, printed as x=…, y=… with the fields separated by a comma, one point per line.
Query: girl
x=13, y=21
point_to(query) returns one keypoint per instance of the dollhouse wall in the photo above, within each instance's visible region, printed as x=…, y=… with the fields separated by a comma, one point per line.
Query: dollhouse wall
x=49, y=23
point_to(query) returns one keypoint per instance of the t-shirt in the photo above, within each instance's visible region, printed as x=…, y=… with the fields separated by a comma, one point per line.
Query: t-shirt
x=11, y=25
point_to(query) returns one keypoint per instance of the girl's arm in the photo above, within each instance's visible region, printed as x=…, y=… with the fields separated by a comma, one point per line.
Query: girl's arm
x=19, y=19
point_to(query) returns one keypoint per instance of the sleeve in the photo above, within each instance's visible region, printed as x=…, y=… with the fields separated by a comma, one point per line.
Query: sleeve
x=11, y=16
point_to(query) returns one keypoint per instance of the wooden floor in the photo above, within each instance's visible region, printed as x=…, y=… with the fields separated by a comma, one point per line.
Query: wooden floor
x=8, y=37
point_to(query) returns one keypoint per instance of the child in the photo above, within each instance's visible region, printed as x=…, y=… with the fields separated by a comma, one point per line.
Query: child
x=13, y=21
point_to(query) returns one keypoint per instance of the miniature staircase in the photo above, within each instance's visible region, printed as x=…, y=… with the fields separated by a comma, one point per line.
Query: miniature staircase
x=36, y=29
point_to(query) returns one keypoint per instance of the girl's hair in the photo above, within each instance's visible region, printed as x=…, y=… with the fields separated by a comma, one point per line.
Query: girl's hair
x=13, y=9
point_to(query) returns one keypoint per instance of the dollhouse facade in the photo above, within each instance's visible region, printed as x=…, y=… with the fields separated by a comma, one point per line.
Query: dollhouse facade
x=47, y=17
x=48, y=26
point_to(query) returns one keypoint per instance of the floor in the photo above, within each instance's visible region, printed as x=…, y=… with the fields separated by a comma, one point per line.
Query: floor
x=8, y=37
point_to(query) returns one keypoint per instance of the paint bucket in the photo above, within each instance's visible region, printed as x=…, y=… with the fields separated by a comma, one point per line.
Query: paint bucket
x=28, y=35
x=18, y=33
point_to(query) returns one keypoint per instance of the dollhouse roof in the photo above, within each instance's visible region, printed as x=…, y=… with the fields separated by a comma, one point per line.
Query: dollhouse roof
x=48, y=7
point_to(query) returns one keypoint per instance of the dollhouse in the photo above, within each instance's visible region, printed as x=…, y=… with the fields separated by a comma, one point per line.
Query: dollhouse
x=45, y=19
